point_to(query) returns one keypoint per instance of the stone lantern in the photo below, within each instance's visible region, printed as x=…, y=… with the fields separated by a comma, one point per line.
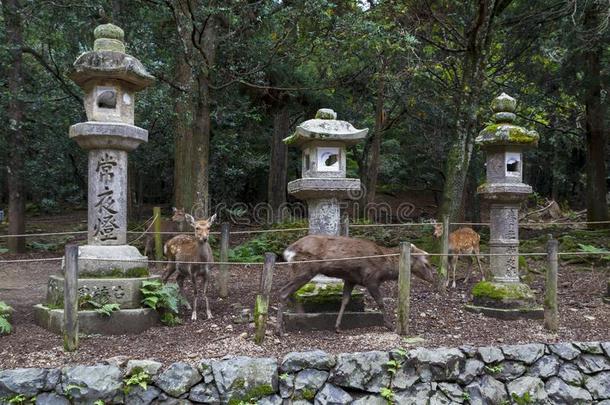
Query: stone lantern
x=504, y=142
x=323, y=141
x=109, y=269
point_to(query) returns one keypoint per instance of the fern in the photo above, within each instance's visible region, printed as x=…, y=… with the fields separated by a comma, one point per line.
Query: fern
x=164, y=298
x=594, y=249
x=5, y=325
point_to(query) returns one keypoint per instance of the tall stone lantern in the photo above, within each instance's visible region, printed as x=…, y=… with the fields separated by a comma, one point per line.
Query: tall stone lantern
x=109, y=269
x=323, y=141
x=504, y=142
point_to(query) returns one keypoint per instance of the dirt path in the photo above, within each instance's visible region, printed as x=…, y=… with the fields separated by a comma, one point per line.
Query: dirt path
x=439, y=320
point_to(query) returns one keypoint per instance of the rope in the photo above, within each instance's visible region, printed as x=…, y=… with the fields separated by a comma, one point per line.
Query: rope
x=42, y=234
x=145, y=231
x=48, y=259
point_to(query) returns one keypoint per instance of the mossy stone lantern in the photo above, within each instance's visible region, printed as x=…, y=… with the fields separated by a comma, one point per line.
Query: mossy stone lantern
x=323, y=141
x=504, y=142
x=109, y=269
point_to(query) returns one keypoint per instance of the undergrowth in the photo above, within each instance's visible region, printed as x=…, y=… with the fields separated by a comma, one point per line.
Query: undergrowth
x=164, y=298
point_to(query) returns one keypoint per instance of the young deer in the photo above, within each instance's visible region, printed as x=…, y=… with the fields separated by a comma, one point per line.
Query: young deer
x=175, y=224
x=464, y=240
x=183, y=249
x=369, y=273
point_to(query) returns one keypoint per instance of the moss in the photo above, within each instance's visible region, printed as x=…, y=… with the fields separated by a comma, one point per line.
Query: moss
x=499, y=291
x=255, y=393
x=135, y=272
x=503, y=134
x=308, y=394
x=319, y=294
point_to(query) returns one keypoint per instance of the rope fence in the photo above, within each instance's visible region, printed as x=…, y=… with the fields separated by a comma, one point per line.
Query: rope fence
x=530, y=254
x=246, y=232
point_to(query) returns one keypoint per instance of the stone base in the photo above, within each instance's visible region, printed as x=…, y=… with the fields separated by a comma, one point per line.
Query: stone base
x=507, y=314
x=326, y=320
x=112, y=261
x=122, y=291
x=121, y=322
x=501, y=300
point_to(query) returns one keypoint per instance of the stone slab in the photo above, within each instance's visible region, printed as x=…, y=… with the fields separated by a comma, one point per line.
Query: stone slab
x=121, y=322
x=100, y=260
x=108, y=135
x=316, y=187
x=507, y=314
x=326, y=320
x=122, y=291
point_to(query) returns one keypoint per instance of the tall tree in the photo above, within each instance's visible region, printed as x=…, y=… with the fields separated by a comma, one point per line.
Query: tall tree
x=593, y=45
x=16, y=144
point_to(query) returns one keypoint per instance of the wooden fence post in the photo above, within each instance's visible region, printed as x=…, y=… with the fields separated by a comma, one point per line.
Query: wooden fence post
x=158, y=238
x=70, y=330
x=223, y=280
x=344, y=231
x=404, y=289
x=443, y=270
x=261, y=307
x=551, y=316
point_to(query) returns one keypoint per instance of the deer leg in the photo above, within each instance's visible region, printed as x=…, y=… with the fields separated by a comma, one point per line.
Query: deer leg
x=180, y=281
x=193, y=273
x=479, y=264
x=285, y=293
x=454, y=260
x=469, y=269
x=147, y=246
x=376, y=294
x=206, y=281
x=347, y=294
x=169, y=270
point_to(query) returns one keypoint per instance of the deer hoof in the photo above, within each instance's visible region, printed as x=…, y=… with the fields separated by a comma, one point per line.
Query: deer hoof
x=194, y=317
x=210, y=315
x=453, y=285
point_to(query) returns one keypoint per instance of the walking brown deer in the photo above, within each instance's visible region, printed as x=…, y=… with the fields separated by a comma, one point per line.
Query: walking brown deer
x=461, y=241
x=369, y=273
x=182, y=250
x=175, y=224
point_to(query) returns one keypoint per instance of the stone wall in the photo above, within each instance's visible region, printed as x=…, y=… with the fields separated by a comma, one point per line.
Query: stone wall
x=561, y=373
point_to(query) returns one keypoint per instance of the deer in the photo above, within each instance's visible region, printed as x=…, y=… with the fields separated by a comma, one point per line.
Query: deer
x=369, y=272
x=182, y=250
x=461, y=241
x=175, y=224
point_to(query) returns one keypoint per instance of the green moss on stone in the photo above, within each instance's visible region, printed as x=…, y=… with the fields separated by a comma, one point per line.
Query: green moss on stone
x=503, y=134
x=255, y=393
x=110, y=31
x=135, y=272
x=308, y=394
x=328, y=293
x=500, y=291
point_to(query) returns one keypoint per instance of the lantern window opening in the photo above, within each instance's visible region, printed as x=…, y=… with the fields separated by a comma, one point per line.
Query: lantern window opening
x=328, y=159
x=106, y=98
x=513, y=164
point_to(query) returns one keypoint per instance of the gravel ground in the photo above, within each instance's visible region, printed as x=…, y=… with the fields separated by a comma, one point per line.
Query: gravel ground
x=439, y=320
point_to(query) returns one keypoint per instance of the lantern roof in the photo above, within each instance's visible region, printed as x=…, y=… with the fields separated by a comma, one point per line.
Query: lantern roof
x=108, y=60
x=503, y=132
x=326, y=127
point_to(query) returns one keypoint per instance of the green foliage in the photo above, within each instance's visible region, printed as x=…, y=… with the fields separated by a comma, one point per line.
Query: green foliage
x=603, y=254
x=254, y=249
x=387, y=394
x=99, y=402
x=494, y=369
x=99, y=304
x=5, y=312
x=524, y=399
x=165, y=298
x=138, y=377
x=19, y=399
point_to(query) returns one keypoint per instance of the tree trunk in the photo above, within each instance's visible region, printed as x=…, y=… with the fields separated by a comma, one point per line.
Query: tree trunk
x=372, y=169
x=460, y=153
x=184, y=187
x=597, y=208
x=278, y=164
x=201, y=146
x=15, y=178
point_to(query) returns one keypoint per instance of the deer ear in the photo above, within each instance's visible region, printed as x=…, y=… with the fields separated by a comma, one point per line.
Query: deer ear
x=174, y=209
x=212, y=219
x=190, y=219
